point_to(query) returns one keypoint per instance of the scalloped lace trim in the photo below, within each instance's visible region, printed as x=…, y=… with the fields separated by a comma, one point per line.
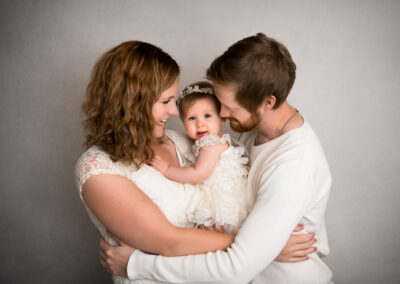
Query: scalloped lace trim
x=95, y=162
x=209, y=140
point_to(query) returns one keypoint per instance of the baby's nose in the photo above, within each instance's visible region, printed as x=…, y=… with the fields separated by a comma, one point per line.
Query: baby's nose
x=200, y=122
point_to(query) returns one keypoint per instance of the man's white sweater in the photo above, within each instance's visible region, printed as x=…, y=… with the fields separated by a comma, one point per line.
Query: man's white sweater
x=289, y=183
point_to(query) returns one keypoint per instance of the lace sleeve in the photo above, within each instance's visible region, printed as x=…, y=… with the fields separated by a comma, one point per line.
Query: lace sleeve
x=209, y=140
x=95, y=162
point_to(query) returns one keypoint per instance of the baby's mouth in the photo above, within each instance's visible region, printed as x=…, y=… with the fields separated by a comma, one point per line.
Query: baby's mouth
x=201, y=133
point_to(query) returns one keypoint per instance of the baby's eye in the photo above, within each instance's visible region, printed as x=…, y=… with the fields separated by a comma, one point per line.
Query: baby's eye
x=166, y=102
x=191, y=118
x=207, y=115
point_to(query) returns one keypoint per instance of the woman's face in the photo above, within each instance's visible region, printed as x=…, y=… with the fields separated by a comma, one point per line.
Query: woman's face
x=164, y=107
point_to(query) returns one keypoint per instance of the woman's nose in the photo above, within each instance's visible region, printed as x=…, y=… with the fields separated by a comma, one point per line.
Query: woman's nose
x=173, y=109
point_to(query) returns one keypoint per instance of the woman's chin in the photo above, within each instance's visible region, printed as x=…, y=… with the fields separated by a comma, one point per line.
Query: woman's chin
x=158, y=132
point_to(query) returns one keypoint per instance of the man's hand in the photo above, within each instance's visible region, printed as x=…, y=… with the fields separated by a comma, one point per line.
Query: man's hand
x=159, y=164
x=115, y=259
x=298, y=247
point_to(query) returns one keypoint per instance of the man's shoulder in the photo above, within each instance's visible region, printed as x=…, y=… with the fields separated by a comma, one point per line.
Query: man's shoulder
x=296, y=146
x=308, y=140
x=300, y=139
x=304, y=148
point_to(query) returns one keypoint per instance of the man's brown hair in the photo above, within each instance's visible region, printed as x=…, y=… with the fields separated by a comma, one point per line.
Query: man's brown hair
x=258, y=66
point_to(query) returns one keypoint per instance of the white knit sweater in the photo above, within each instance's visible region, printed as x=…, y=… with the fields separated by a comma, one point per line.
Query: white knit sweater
x=289, y=183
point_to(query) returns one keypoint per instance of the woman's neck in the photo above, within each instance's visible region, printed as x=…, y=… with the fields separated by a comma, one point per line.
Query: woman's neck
x=166, y=150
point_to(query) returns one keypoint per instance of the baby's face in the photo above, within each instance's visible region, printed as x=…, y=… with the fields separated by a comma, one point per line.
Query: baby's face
x=201, y=119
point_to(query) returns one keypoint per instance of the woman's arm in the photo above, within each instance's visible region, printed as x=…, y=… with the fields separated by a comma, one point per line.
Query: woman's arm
x=205, y=164
x=130, y=215
x=298, y=247
x=115, y=259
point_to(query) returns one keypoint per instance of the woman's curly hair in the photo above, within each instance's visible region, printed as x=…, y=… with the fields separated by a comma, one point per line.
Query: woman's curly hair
x=125, y=83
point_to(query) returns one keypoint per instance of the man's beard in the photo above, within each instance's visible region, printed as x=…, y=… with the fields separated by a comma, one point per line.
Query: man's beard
x=248, y=125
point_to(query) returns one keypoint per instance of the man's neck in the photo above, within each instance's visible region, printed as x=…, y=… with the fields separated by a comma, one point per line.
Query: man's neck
x=277, y=122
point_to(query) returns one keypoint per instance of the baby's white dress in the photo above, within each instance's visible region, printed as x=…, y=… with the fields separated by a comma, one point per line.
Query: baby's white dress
x=221, y=198
x=171, y=197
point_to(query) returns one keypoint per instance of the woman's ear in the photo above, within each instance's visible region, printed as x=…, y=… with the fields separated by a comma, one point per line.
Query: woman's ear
x=269, y=102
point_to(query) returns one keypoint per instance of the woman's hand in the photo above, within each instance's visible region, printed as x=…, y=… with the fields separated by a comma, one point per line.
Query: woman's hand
x=159, y=164
x=115, y=259
x=298, y=247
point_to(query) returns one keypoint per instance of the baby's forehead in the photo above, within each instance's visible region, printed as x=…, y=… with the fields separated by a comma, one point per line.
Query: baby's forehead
x=196, y=101
x=203, y=102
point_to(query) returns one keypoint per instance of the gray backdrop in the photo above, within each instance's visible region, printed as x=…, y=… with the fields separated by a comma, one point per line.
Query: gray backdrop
x=347, y=87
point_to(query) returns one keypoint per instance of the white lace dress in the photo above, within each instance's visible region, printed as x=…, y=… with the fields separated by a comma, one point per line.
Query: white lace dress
x=221, y=198
x=171, y=197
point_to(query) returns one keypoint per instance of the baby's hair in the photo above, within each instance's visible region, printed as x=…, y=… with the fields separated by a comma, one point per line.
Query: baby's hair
x=188, y=100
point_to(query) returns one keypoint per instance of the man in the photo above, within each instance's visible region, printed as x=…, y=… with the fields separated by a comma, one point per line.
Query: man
x=289, y=179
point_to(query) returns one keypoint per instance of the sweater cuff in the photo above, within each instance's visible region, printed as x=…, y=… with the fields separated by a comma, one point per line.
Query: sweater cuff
x=137, y=264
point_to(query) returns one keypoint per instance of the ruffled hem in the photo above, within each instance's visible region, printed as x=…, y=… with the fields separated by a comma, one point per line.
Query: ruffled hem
x=231, y=221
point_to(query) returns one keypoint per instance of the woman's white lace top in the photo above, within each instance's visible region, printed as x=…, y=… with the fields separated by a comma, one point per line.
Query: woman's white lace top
x=171, y=197
x=221, y=199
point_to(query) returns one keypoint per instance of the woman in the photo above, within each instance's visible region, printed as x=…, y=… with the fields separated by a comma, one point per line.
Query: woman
x=129, y=99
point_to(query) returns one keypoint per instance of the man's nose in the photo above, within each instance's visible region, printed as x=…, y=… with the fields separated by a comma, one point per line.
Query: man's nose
x=224, y=112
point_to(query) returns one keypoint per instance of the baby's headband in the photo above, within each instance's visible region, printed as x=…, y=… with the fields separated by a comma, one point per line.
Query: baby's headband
x=191, y=90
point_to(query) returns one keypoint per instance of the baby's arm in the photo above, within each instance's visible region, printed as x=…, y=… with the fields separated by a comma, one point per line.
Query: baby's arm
x=205, y=164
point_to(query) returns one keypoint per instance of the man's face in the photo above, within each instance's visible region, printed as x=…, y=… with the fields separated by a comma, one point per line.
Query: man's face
x=240, y=119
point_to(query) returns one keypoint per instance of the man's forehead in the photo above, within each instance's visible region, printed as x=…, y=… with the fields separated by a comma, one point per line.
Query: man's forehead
x=226, y=87
x=227, y=97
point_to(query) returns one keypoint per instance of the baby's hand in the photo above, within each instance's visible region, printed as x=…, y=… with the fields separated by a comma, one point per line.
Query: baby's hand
x=213, y=228
x=159, y=164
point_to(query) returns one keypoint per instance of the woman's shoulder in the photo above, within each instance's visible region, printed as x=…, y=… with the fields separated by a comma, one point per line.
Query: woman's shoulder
x=94, y=157
x=177, y=136
x=180, y=139
x=95, y=161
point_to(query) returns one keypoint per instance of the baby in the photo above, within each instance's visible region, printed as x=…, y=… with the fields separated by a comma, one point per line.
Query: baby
x=219, y=167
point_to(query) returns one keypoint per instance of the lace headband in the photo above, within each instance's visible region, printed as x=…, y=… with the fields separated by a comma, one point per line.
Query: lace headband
x=191, y=90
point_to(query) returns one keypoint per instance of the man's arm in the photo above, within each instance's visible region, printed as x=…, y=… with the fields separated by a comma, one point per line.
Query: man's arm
x=281, y=203
x=115, y=258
